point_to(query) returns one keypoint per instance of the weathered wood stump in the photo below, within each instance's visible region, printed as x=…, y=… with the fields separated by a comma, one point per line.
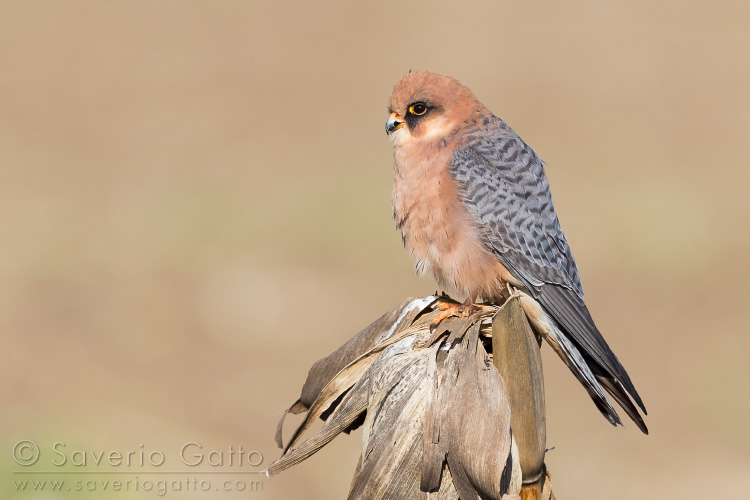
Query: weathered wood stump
x=436, y=406
x=516, y=356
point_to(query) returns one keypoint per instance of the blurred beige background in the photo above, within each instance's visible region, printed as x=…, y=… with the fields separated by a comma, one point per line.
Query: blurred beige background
x=195, y=206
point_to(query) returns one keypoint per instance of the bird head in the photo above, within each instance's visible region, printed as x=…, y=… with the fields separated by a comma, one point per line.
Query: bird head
x=427, y=106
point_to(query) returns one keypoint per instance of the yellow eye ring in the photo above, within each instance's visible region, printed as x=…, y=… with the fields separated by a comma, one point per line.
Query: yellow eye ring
x=418, y=109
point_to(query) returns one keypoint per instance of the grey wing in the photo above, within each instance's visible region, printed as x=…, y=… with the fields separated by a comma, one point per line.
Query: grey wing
x=503, y=184
x=505, y=187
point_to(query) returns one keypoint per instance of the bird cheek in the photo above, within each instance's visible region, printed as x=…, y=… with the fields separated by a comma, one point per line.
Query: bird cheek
x=437, y=128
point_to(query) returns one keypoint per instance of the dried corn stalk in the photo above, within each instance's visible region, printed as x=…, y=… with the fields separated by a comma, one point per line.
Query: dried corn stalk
x=435, y=412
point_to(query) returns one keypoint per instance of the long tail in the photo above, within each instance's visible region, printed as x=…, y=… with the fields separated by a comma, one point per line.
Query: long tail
x=593, y=377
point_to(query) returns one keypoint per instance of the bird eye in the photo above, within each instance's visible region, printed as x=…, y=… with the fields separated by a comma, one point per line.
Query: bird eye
x=418, y=109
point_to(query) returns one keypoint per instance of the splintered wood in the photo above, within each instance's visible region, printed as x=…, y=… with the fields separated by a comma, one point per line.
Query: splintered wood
x=435, y=411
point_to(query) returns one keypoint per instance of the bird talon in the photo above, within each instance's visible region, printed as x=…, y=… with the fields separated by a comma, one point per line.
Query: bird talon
x=450, y=309
x=440, y=317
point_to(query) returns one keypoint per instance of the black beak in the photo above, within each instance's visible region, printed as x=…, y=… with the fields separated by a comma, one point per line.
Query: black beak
x=394, y=123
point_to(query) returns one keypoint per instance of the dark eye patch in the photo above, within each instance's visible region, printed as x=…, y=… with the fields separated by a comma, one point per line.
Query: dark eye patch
x=416, y=112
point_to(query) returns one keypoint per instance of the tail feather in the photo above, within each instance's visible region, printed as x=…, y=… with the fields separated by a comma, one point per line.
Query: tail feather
x=571, y=313
x=617, y=391
x=592, y=376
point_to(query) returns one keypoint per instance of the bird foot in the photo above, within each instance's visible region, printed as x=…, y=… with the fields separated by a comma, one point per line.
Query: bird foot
x=450, y=309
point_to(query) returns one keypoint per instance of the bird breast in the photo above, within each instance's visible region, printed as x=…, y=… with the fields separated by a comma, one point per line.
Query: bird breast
x=438, y=231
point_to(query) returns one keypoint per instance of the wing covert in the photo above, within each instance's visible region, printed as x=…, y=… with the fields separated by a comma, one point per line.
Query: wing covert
x=505, y=188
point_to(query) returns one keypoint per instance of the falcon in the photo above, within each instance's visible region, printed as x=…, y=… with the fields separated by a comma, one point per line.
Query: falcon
x=475, y=210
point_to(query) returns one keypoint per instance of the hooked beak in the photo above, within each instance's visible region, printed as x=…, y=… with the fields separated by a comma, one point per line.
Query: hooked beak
x=394, y=123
